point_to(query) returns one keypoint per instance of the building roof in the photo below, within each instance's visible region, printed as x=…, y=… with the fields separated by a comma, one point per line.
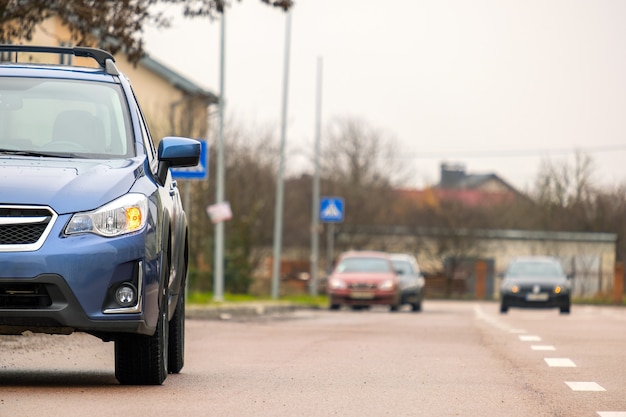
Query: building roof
x=454, y=176
x=471, y=190
x=177, y=80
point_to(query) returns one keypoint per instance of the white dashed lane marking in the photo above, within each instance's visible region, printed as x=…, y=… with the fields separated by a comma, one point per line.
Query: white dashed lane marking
x=542, y=347
x=584, y=386
x=560, y=362
x=552, y=362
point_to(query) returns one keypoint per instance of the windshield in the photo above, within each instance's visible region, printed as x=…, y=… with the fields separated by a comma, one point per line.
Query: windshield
x=403, y=267
x=363, y=265
x=535, y=269
x=55, y=117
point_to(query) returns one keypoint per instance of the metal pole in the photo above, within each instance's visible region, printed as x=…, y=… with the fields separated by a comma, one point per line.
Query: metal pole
x=218, y=271
x=187, y=207
x=315, y=206
x=278, y=212
x=330, y=247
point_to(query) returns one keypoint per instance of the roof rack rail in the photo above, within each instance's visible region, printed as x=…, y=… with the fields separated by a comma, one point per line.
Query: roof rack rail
x=100, y=56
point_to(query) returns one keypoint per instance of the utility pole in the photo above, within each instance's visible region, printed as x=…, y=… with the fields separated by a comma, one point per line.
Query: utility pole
x=278, y=212
x=315, y=206
x=218, y=270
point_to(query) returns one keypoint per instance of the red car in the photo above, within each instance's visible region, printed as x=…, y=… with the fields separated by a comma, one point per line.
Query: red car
x=362, y=279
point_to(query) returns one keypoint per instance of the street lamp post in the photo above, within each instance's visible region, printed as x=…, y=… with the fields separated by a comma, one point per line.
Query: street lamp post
x=315, y=206
x=278, y=212
x=218, y=271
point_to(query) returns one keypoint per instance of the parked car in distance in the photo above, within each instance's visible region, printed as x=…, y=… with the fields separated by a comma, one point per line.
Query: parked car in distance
x=362, y=279
x=411, y=280
x=93, y=236
x=535, y=282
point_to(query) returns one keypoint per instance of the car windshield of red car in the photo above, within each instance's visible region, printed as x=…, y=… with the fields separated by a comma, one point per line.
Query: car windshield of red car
x=364, y=265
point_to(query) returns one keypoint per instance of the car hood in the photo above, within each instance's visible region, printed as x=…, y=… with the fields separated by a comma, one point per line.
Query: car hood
x=66, y=185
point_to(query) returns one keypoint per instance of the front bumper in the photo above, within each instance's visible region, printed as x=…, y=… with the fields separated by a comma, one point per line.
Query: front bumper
x=413, y=295
x=48, y=305
x=67, y=285
x=364, y=298
x=530, y=300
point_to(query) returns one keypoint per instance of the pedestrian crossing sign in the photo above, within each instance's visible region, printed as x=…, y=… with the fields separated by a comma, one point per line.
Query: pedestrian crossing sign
x=331, y=209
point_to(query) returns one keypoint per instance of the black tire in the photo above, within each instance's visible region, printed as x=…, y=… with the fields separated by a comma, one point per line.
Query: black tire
x=565, y=309
x=334, y=307
x=140, y=359
x=394, y=307
x=176, y=339
x=416, y=307
x=503, y=308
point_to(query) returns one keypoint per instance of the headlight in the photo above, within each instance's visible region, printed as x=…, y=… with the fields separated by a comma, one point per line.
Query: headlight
x=386, y=285
x=514, y=289
x=127, y=214
x=561, y=289
x=336, y=284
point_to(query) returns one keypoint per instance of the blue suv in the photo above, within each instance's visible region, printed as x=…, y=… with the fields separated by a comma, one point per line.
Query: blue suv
x=93, y=236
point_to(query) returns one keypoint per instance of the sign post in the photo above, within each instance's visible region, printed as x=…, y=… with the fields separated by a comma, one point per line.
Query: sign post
x=331, y=212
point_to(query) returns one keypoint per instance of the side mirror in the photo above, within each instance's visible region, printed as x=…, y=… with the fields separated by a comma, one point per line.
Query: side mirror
x=177, y=152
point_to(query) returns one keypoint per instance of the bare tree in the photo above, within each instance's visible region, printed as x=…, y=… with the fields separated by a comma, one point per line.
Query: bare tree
x=562, y=188
x=114, y=25
x=361, y=165
x=250, y=157
x=609, y=209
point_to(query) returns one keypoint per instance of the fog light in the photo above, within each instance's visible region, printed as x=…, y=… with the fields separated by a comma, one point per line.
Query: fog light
x=126, y=295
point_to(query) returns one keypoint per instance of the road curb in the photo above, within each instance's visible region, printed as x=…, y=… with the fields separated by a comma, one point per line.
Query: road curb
x=231, y=311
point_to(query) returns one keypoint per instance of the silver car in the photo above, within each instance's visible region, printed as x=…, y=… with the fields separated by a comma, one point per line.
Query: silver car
x=411, y=280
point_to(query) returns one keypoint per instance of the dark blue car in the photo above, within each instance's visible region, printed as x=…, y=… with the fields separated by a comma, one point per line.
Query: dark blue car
x=93, y=236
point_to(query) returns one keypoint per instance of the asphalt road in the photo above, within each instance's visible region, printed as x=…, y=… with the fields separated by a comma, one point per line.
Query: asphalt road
x=452, y=359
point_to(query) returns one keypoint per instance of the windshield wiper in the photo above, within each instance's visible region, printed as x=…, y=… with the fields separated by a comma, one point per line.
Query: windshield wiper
x=40, y=154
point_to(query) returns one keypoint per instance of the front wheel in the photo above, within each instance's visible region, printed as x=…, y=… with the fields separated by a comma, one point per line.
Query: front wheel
x=143, y=360
x=140, y=359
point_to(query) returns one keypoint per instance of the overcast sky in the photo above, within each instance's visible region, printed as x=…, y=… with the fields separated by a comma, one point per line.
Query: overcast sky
x=498, y=85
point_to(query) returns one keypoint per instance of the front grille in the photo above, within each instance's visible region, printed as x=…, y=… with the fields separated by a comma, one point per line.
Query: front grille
x=362, y=286
x=22, y=234
x=24, y=296
x=24, y=228
x=539, y=288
